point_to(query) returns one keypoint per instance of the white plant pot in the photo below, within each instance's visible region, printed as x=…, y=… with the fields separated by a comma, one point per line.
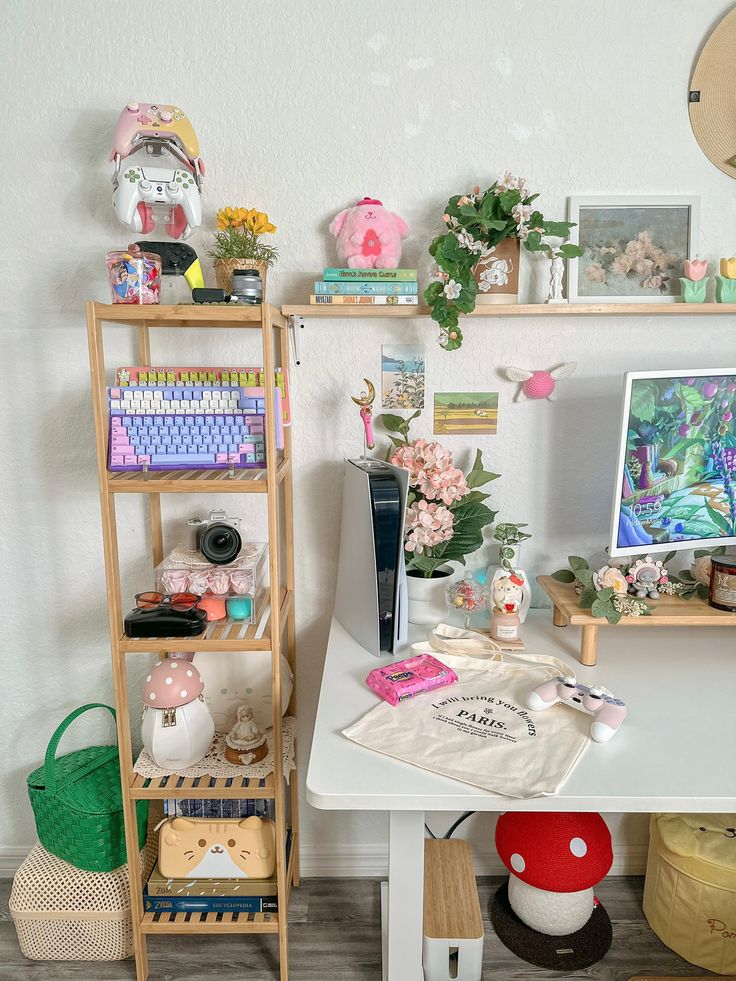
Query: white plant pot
x=427, y=598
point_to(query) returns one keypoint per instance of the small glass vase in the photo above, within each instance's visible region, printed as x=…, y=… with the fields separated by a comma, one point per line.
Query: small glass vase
x=509, y=561
x=427, y=596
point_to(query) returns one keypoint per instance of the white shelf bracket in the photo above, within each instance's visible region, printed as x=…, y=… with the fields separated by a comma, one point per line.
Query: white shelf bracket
x=296, y=326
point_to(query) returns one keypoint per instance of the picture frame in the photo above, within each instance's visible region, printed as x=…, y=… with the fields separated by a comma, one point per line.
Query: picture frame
x=633, y=247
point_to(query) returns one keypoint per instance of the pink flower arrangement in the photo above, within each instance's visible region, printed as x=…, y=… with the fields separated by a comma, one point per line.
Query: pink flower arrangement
x=427, y=525
x=445, y=513
x=431, y=471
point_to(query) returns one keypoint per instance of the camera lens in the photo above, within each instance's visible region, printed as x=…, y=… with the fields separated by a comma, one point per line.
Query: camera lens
x=220, y=543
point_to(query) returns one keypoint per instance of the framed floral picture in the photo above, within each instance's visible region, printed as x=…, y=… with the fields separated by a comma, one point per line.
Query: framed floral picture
x=633, y=248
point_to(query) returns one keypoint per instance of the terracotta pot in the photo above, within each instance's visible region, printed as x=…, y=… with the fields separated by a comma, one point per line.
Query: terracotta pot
x=224, y=269
x=427, y=596
x=497, y=275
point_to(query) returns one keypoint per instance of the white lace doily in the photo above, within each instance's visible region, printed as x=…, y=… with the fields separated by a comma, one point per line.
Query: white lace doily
x=214, y=763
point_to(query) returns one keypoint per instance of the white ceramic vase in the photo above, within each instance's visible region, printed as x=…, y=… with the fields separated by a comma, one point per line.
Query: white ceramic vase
x=496, y=570
x=427, y=598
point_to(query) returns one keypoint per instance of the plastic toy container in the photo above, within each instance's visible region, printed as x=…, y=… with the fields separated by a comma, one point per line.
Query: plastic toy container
x=135, y=276
x=184, y=569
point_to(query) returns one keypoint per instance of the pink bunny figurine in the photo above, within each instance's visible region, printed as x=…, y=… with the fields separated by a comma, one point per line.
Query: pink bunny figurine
x=369, y=236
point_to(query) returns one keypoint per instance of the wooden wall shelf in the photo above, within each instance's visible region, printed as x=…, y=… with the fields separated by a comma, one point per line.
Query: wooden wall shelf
x=667, y=611
x=519, y=310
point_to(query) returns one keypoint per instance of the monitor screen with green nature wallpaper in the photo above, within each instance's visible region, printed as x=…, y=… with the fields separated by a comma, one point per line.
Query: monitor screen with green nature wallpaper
x=676, y=476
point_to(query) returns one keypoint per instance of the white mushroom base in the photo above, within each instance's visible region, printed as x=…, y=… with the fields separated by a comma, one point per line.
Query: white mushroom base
x=553, y=913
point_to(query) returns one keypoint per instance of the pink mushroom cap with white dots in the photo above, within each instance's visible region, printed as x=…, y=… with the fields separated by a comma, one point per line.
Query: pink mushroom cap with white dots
x=170, y=684
x=558, y=852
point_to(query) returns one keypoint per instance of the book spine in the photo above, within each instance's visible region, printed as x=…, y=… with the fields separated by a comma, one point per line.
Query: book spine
x=209, y=904
x=379, y=275
x=364, y=300
x=370, y=289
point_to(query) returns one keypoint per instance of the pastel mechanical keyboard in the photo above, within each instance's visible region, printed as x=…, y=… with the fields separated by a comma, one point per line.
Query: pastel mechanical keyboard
x=174, y=427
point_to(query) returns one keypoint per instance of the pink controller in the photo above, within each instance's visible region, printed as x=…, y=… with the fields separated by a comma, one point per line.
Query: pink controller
x=145, y=120
x=608, y=712
x=404, y=679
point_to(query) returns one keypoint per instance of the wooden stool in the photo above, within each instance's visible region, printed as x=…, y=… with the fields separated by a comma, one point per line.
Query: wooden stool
x=453, y=928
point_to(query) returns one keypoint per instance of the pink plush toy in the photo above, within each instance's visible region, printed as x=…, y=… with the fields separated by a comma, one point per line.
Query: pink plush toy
x=369, y=236
x=539, y=384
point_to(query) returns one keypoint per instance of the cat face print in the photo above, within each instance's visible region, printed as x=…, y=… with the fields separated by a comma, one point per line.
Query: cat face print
x=200, y=848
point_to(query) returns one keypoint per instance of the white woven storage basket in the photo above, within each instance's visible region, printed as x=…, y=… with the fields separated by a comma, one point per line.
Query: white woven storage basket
x=62, y=913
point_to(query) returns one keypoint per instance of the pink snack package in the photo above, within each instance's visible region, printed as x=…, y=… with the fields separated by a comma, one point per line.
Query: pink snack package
x=404, y=679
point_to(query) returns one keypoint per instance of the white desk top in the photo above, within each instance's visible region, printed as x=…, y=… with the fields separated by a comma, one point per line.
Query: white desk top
x=674, y=752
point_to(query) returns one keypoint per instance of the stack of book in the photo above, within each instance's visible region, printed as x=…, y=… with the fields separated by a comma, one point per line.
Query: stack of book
x=359, y=287
x=193, y=895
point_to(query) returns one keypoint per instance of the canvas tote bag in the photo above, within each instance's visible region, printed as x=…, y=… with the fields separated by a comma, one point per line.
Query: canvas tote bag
x=479, y=731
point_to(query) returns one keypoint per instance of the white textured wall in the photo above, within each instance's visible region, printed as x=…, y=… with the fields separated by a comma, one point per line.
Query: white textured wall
x=301, y=108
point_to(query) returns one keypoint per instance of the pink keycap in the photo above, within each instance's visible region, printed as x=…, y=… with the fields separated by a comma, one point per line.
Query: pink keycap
x=221, y=458
x=115, y=393
x=233, y=458
x=130, y=461
x=246, y=448
x=116, y=461
x=144, y=459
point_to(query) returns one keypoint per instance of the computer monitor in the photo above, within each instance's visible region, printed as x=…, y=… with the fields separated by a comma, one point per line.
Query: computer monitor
x=676, y=472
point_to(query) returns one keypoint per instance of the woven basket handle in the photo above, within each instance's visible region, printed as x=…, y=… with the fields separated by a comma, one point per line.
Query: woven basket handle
x=49, y=763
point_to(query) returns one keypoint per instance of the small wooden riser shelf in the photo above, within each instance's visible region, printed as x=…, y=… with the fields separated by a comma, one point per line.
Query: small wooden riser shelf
x=211, y=788
x=667, y=611
x=210, y=923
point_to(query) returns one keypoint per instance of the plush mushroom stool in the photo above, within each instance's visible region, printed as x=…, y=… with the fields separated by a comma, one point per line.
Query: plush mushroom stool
x=547, y=913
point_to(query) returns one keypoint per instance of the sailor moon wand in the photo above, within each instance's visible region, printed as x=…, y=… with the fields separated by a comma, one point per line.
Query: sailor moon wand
x=365, y=401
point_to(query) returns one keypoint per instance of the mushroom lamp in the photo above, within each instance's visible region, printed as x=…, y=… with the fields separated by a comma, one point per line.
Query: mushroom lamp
x=554, y=861
x=177, y=727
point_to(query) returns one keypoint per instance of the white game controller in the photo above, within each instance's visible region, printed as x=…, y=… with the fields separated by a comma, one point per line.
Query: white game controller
x=140, y=191
x=608, y=712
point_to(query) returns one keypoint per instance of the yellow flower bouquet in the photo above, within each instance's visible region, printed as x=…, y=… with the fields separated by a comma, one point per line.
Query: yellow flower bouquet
x=237, y=244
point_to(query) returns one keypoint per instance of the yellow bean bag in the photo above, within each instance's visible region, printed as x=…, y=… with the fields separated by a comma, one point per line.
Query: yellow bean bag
x=690, y=888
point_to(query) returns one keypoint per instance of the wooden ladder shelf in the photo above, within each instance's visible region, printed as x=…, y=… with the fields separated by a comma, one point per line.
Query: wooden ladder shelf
x=276, y=636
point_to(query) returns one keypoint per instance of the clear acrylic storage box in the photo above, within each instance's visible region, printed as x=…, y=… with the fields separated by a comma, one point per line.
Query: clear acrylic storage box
x=185, y=570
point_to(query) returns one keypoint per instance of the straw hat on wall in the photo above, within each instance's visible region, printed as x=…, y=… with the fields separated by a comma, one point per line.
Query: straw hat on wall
x=712, y=99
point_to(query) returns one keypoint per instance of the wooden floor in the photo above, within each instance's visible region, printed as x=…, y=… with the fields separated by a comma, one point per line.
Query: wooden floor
x=335, y=937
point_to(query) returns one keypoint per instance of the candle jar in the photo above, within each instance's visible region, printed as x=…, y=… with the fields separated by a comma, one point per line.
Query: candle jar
x=135, y=276
x=722, y=589
x=505, y=626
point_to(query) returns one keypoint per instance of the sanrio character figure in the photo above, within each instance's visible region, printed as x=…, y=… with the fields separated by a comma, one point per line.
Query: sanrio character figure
x=508, y=594
x=369, y=236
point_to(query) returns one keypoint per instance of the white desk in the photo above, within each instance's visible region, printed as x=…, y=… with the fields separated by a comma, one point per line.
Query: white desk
x=673, y=753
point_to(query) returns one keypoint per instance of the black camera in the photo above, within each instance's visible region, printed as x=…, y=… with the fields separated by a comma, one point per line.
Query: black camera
x=217, y=538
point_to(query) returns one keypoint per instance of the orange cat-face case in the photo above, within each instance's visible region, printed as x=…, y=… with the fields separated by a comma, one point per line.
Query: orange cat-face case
x=217, y=849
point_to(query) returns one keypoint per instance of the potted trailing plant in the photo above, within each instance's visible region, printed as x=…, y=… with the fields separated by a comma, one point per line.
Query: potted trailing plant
x=510, y=536
x=478, y=253
x=445, y=517
x=238, y=246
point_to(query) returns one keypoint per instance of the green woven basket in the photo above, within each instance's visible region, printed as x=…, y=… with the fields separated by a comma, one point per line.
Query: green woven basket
x=78, y=805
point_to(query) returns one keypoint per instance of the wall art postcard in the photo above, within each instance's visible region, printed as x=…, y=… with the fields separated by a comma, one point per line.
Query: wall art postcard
x=402, y=376
x=633, y=248
x=472, y=413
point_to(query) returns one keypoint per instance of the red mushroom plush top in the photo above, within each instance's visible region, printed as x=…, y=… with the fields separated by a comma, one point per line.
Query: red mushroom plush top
x=562, y=852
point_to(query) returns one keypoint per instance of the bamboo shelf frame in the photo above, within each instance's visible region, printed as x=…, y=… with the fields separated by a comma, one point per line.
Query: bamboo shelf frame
x=274, y=629
x=667, y=611
x=554, y=310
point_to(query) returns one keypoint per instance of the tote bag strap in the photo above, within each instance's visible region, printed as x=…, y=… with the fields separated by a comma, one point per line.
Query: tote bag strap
x=469, y=643
x=49, y=764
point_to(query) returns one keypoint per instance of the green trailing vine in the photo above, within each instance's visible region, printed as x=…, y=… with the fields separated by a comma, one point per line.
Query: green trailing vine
x=475, y=224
